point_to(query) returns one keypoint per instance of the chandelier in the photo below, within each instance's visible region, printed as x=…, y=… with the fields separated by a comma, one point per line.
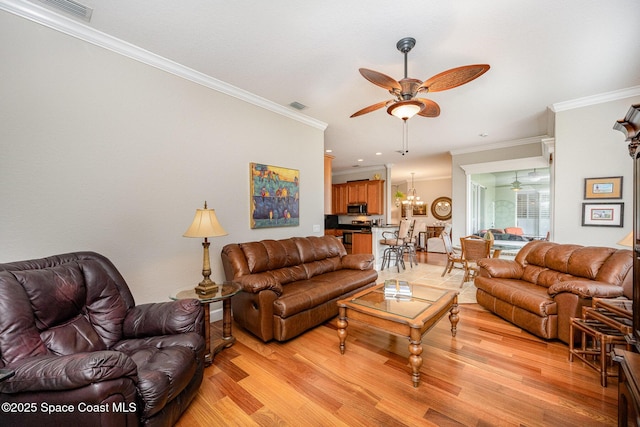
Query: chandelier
x=412, y=196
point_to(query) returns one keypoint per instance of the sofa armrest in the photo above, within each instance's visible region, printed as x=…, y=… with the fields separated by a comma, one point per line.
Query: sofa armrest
x=68, y=372
x=502, y=268
x=357, y=261
x=163, y=318
x=254, y=283
x=586, y=289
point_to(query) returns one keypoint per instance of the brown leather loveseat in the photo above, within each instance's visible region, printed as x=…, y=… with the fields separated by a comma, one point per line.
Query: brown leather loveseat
x=548, y=283
x=84, y=354
x=292, y=285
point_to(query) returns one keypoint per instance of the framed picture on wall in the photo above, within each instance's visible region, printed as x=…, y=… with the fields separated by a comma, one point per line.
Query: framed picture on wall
x=603, y=188
x=275, y=196
x=602, y=214
x=415, y=210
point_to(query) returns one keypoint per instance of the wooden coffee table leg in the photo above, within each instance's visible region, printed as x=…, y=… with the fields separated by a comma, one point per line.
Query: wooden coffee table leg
x=342, y=327
x=453, y=316
x=415, y=360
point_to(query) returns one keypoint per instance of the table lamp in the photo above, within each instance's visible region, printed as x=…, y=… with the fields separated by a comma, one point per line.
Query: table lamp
x=205, y=224
x=627, y=240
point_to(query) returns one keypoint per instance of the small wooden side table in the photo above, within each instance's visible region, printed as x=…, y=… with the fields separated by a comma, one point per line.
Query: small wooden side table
x=224, y=294
x=603, y=326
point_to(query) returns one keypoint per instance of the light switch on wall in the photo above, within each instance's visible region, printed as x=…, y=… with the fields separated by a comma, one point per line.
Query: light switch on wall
x=316, y=228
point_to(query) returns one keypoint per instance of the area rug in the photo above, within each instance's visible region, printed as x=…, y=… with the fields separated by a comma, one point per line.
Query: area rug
x=428, y=274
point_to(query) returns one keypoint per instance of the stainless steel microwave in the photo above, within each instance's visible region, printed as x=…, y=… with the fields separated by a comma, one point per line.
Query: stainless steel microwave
x=357, y=209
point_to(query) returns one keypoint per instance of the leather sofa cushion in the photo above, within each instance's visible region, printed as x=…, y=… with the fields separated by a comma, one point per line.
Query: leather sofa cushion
x=314, y=248
x=305, y=294
x=546, y=263
x=162, y=375
x=73, y=307
x=270, y=255
x=528, y=296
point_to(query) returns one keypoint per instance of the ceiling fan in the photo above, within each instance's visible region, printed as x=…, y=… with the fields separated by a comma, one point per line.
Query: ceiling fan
x=406, y=103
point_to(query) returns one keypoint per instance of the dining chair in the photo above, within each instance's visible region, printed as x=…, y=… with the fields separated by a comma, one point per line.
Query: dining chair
x=474, y=248
x=409, y=246
x=453, y=257
x=394, y=242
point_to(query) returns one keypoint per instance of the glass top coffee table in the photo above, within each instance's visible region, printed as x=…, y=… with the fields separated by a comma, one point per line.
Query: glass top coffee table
x=408, y=316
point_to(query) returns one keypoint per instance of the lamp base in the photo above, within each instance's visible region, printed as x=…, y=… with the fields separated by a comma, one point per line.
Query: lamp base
x=206, y=290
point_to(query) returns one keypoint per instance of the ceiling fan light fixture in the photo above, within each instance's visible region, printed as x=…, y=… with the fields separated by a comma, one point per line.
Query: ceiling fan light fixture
x=515, y=185
x=535, y=176
x=404, y=110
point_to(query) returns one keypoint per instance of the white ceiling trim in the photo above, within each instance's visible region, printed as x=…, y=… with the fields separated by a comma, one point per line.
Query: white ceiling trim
x=76, y=29
x=499, y=145
x=506, y=165
x=596, y=99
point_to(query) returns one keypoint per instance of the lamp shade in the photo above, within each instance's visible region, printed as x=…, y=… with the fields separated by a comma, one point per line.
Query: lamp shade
x=405, y=109
x=627, y=240
x=205, y=224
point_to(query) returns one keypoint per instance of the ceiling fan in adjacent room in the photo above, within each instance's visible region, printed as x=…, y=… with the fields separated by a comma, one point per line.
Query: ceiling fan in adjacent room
x=406, y=102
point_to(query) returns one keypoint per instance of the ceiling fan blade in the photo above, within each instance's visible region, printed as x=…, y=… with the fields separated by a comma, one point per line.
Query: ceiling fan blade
x=370, y=108
x=454, y=77
x=431, y=109
x=380, y=79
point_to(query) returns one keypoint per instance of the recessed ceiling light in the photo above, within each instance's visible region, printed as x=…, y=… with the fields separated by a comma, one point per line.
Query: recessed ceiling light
x=328, y=151
x=361, y=160
x=483, y=135
x=378, y=154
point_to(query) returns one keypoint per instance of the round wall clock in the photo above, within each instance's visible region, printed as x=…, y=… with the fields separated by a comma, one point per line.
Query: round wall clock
x=441, y=208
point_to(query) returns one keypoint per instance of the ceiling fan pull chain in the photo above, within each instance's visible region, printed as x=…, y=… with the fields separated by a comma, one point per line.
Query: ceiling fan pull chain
x=405, y=137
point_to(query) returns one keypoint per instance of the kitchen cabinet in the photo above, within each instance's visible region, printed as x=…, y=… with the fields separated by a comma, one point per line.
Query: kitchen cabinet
x=369, y=192
x=339, y=198
x=361, y=243
x=357, y=192
x=375, y=197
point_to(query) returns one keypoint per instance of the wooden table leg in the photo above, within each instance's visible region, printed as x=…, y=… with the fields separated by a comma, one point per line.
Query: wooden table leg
x=453, y=316
x=342, y=328
x=208, y=358
x=415, y=360
x=227, y=339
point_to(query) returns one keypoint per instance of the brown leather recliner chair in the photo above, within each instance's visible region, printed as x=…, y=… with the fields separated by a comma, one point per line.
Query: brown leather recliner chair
x=84, y=354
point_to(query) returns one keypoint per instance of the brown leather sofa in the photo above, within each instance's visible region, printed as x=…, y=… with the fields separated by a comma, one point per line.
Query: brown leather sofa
x=84, y=354
x=292, y=285
x=548, y=283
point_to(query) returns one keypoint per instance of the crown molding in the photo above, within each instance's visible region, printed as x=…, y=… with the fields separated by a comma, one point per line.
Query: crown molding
x=63, y=24
x=595, y=99
x=500, y=145
x=506, y=165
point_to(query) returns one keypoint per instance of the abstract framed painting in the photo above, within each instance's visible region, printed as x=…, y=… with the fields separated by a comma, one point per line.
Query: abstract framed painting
x=275, y=196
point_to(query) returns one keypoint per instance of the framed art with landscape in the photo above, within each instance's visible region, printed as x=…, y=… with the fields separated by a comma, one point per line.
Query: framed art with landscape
x=275, y=196
x=603, y=214
x=603, y=188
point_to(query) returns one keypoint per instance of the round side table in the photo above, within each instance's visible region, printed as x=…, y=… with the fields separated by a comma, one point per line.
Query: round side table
x=224, y=294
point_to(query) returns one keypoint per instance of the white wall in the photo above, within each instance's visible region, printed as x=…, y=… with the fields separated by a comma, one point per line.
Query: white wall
x=100, y=152
x=587, y=146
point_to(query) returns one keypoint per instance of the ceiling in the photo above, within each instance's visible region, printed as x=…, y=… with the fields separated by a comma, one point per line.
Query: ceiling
x=541, y=52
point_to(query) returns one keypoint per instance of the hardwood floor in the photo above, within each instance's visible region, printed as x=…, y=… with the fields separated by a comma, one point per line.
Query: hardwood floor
x=491, y=374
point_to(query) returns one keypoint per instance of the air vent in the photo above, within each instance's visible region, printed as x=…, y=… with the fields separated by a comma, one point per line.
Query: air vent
x=297, y=105
x=72, y=8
